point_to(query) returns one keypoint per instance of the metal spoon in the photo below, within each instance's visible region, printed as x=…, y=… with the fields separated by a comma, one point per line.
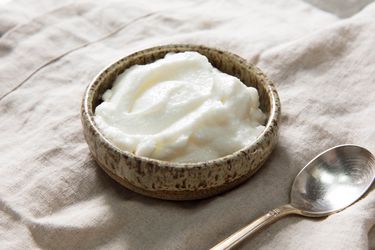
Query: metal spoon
x=329, y=183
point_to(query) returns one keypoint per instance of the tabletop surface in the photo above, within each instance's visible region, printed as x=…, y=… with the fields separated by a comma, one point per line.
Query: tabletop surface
x=320, y=54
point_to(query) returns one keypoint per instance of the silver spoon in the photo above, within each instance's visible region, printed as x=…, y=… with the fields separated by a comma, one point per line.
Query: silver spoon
x=329, y=183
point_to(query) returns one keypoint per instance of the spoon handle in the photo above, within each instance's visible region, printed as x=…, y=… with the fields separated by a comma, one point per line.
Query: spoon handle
x=255, y=226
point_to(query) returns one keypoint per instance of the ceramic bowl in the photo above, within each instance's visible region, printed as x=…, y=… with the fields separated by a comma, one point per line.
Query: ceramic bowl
x=181, y=181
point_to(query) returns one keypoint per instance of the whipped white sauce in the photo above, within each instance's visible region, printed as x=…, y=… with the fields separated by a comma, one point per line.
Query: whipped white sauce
x=181, y=109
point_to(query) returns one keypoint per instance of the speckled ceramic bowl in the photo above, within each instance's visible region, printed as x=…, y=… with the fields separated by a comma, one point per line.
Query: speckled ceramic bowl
x=181, y=181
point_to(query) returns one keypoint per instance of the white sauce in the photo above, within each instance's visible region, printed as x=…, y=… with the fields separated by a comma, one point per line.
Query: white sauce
x=181, y=109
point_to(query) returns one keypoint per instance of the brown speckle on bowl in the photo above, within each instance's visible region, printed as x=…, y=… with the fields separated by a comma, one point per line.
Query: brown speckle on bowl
x=181, y=181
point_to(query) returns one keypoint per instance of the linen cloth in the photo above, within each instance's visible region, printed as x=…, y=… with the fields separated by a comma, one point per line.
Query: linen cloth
x=54, y=196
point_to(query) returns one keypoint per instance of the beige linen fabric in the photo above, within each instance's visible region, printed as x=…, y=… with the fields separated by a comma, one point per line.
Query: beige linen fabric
x=54, y=196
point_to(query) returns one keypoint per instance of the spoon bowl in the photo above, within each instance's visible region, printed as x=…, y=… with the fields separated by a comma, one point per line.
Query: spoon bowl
x=333, y=180
x=329, y=183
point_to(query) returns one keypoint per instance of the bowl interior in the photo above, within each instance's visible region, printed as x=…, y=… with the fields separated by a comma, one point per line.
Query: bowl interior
x=224, y=61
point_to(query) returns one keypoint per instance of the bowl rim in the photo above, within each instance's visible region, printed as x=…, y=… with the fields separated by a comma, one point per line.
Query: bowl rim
x=273, y=117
